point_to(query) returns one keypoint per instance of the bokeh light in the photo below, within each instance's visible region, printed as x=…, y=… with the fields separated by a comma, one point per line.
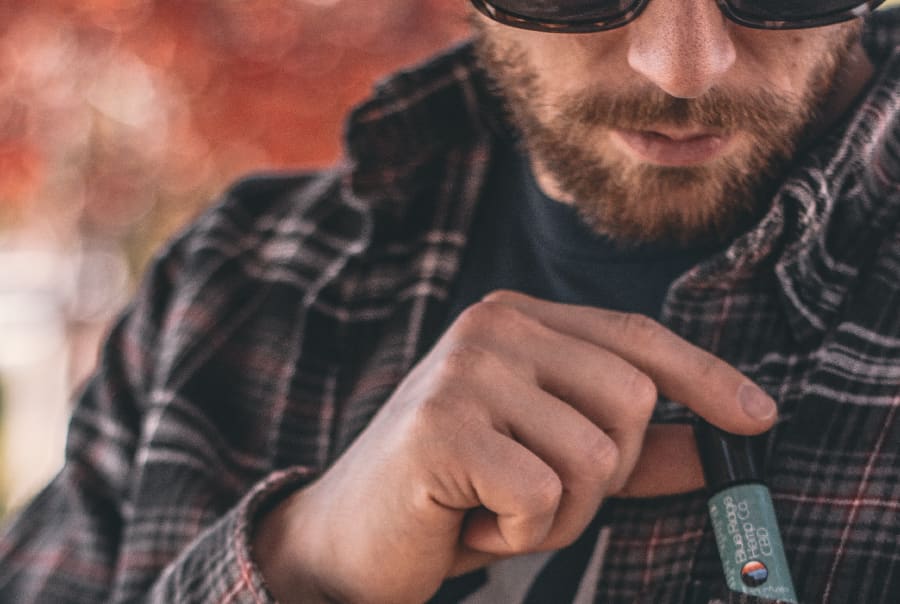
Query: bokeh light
x=119, y=121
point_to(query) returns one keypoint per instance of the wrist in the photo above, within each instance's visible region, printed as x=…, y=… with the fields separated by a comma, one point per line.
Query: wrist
x=277, y=543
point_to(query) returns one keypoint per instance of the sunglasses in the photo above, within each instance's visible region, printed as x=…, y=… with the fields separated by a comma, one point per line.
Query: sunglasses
x=582, y=16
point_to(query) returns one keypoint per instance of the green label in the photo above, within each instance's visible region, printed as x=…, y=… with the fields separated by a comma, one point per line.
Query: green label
x=750, y=547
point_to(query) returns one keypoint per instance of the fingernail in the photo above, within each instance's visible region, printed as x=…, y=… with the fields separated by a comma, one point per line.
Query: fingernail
x=756, y=403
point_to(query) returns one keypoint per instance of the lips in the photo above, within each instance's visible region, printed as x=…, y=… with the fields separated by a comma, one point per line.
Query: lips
x=674, y=148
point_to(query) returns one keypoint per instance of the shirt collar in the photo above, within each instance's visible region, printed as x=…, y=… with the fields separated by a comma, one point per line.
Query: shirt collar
x=413, y=119
x=832, y=214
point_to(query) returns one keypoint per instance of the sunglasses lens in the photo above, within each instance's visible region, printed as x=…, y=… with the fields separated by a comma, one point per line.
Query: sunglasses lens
x=791, y=10
x=566, y=11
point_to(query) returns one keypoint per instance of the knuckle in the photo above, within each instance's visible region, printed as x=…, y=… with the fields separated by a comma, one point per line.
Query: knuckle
x=445, y=418
x=617, y=483
x=596, y=461
x=643, y=394
x=599, y=463
x=469, y=368
x=602, y=456
x=708, y=368
x=479, y=316
x=502, y=296
x=431, y=413
x=461, y=360
x=488, y=318
x=450, y=393
x=642, y=330
x=545, y=495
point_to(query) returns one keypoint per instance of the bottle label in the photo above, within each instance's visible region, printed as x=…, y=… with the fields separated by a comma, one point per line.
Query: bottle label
x=743, y=519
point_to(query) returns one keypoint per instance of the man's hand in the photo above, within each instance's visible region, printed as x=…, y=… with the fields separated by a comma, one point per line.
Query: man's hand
x=503, y=440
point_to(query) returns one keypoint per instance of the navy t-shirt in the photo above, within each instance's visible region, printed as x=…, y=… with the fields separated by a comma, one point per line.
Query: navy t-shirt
x=525, y=241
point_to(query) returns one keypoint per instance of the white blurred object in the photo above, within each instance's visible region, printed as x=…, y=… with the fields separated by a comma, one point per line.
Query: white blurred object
x=47, y=295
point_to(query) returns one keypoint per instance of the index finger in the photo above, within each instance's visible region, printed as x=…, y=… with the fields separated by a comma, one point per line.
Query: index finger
x=681, y=370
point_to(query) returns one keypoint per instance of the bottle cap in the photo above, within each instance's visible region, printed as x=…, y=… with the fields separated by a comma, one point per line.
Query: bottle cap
x=727, y=458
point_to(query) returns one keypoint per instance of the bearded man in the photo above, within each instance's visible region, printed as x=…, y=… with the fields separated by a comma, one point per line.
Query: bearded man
x=465, y=364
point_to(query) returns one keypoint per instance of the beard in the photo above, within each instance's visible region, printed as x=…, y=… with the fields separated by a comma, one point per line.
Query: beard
x=632, y=202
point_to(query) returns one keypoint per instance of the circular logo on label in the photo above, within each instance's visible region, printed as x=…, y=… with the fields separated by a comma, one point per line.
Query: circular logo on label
x=754, y=573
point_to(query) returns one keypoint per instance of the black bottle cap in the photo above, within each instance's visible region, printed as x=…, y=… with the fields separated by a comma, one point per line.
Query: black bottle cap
x=727, y=458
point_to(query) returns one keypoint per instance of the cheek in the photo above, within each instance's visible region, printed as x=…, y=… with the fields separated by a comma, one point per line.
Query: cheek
x=788, y=61
x=777, y=61
x=559, y=66
x=572, y=63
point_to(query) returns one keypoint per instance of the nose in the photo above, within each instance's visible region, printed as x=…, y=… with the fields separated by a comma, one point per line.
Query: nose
x=683, y=46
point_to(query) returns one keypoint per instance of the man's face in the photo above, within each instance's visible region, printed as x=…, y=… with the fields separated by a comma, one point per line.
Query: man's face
x=673, y=127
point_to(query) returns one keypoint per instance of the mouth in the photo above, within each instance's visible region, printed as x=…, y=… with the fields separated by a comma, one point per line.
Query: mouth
x=672, y=147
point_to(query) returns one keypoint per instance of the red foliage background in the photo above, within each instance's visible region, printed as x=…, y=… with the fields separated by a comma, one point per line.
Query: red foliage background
x=119, y=117
x=119, y=120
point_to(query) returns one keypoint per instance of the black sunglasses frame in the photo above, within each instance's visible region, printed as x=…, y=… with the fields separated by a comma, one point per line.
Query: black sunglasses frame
x=574, y=27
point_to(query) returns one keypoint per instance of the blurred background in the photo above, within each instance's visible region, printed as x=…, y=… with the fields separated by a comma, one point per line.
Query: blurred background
x=119, y=121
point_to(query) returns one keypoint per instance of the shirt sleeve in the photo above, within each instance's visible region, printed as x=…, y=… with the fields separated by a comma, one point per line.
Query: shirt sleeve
x=77, y=540
x=219, y=566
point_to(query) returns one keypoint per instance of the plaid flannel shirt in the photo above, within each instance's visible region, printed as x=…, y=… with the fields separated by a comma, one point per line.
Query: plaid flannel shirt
x=266, y=336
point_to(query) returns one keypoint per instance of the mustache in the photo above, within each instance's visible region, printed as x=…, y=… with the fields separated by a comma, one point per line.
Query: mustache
x=717, y=109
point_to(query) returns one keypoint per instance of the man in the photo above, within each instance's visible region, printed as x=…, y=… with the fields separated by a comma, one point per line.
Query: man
x=316, y=396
